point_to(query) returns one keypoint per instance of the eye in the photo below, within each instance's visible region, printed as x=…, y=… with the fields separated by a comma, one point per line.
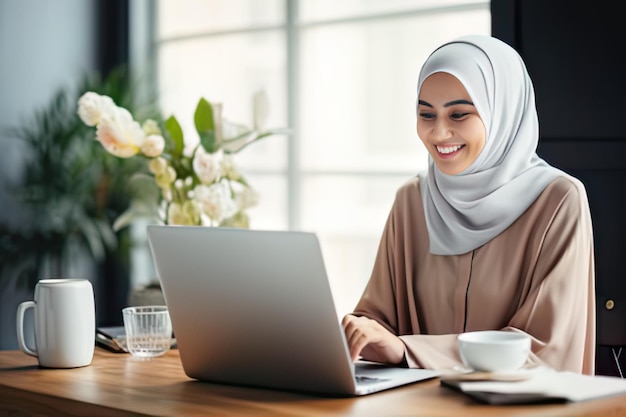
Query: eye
x=458, y=116
x=427, y=116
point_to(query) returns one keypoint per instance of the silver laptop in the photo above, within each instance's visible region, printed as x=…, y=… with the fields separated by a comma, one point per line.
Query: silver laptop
x=255, y=308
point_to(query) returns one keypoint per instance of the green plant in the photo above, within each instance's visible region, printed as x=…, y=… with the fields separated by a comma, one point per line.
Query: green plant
x=71, y=191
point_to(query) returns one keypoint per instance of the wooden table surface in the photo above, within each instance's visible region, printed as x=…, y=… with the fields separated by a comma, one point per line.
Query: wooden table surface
x=120, y=385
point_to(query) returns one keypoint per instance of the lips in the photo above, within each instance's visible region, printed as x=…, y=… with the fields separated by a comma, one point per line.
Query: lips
x=448, y=150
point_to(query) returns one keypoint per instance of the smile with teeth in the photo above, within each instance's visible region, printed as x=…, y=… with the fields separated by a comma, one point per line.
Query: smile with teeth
x=448, y=149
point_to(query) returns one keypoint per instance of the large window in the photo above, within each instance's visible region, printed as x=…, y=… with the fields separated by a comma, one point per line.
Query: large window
x=342, y=75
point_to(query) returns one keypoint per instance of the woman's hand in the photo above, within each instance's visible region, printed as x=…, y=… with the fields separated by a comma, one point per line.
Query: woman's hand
x=368, y=338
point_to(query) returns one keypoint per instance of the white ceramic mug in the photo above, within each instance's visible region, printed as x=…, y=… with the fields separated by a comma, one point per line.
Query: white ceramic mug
x=65, y=323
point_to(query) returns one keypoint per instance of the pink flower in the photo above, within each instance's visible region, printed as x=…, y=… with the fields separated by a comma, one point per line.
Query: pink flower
x=119, y=133
x=207, y=165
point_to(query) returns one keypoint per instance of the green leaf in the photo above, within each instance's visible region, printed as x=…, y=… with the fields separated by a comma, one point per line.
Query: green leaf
x=137, y=210
x=92, y=236
x=143, y=187
x=176, y=133
x=241, y=180
x=125, y=219
x=106, y=233
x=232, y=147
x=203, y=116
x=207, y=139
x=205, y=125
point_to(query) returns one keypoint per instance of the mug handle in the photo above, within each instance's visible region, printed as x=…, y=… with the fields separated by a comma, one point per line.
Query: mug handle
x=21, y=309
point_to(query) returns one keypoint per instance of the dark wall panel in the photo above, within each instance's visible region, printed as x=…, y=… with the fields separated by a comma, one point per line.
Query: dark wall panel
x=573, y=51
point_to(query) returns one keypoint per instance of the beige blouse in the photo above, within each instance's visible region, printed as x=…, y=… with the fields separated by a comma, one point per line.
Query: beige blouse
x=535, y=277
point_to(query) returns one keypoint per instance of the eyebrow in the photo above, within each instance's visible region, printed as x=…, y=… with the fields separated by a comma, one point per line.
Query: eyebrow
x=448, y=104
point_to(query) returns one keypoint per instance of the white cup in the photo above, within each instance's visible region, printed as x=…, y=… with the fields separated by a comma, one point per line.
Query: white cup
x=494, y=350
x=65, y=323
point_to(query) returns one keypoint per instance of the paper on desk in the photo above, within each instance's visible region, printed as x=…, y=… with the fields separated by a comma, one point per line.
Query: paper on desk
x=569, y=386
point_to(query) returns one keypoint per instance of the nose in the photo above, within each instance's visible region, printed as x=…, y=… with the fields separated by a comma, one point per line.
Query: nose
x=441, y=130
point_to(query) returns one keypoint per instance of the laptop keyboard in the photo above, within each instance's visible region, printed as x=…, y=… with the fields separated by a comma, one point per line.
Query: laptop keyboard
x=361, y=379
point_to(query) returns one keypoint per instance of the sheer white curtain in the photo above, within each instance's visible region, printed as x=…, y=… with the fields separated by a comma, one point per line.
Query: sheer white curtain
x=342, y=75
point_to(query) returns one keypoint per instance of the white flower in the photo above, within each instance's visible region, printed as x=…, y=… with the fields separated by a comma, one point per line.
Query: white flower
x=151, y=127
x=207, y=165
x=119, y=133
x=166, y=178
x=158, y=165
x=91, y=107
x=167, y=194
x=179, y=214
x=205, y=188
x=229, y=168
x=153, y=146
x=246, y=198
x=191, y=209
x=215, y=201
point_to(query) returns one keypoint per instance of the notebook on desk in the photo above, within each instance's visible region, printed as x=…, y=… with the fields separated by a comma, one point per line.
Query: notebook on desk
x=255, y=308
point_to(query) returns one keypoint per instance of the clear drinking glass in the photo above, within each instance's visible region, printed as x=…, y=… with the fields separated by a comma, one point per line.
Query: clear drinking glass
x=148, y=330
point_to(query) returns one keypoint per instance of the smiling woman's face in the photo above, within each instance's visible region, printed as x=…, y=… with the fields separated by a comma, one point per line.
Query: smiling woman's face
x=448, y=123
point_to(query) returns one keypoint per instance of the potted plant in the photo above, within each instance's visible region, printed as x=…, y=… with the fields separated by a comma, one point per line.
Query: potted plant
x=71, y=192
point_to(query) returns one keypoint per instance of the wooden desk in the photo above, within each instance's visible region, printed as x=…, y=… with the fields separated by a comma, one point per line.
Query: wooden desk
x=117, y=384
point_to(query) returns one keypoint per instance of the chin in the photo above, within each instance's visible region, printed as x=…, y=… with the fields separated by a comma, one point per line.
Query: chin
x=449, y=171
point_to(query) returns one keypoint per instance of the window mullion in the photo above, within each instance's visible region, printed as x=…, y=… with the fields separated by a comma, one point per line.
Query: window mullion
x=294, y=175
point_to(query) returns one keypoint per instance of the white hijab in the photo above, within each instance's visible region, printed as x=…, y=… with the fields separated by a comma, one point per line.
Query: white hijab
x=467, y=210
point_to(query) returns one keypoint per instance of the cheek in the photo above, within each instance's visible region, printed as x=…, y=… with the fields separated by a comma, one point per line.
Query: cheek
x=421, y=132
x=478, y=135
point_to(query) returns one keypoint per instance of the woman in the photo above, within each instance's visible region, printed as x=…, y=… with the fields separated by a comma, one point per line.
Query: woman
x=490, y=237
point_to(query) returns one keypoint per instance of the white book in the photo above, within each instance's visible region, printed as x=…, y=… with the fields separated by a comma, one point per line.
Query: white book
x=543, y=386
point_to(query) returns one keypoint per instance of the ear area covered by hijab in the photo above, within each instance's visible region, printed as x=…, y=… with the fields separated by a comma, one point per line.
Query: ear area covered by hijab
x=467, y=210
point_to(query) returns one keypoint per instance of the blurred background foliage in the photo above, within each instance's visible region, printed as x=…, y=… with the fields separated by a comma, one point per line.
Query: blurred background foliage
x=72, y=190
